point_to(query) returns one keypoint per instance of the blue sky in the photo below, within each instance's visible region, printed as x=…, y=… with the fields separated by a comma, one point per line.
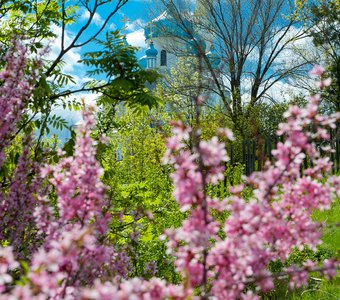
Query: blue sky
x=139, y=12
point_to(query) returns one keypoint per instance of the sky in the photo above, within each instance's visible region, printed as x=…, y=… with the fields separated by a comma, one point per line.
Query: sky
x=138, y=13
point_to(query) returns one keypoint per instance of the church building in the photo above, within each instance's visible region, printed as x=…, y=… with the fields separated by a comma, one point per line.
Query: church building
x=172, y=35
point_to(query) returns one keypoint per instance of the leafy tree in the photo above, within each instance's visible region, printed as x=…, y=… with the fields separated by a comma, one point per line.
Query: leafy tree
x=140, y=189
x=250, y=39
x=325, y=18
x=179, y=89
x=126, y=80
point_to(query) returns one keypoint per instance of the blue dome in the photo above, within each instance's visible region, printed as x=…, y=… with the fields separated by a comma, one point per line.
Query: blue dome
x=165, y=28
x=152, y=51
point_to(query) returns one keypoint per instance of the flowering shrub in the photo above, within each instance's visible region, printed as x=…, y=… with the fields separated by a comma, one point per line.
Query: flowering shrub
x=76, y=261
x=260, y=230
x=17, y=224
x=15, y=90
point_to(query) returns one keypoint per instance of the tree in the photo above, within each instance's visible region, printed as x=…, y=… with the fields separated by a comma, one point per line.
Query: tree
x=179, y=88
x=250, y=38
x=36, y=23
x=140, y=188
x=324, y=18
x=126, y=80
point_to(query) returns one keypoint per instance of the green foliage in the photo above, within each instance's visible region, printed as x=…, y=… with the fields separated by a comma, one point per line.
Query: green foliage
x=28, y=19
x=213, y=118
x=180, y=88
x=12, y=154
x=332, y=93
x=326, y=15
x=331, y=232
x=270, y=116
x=127, y=82
x=69, y=145
x=140, y=188
x=34, y=22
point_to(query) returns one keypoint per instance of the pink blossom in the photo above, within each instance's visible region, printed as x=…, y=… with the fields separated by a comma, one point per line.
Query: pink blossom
x=15, y=91
x=316, y=71
x=237, y=189
x=7, y=262
x=330, y=268
x=324, y=83
x=261, y=230
x=17, y=223
x=227, y=133
x=216, y=260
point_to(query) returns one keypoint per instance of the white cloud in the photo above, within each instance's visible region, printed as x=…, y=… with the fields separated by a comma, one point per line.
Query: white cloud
x=298, y=52
x=75, y=69
x=283, y=92
x=135, y=25
x=71, y=116
x=88, y=98
x=97, y=19
x=136, y=38
x=80, y=80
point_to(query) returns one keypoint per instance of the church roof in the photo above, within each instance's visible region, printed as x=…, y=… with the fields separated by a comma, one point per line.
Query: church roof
x=167, y=25
x=152, y=51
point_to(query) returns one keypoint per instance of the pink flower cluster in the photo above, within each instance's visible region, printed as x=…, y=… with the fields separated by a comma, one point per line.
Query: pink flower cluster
x=15, y=90
x=135, y=288
x=77, y=183
x=318, y=71
x=17, y=202
x=7, y=262
x=193, y=171
x=76, y=251
x=17, y=224
x=260, y=230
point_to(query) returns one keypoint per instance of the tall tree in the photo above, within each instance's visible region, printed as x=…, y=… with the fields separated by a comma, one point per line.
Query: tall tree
x=324, y=17
x=253, y=39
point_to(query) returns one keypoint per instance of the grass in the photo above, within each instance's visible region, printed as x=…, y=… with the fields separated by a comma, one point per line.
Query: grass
x=322, y=288
x=319, y=288
x=331, y=233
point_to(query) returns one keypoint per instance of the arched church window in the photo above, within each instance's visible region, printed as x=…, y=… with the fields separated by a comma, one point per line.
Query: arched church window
x=163, y=58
